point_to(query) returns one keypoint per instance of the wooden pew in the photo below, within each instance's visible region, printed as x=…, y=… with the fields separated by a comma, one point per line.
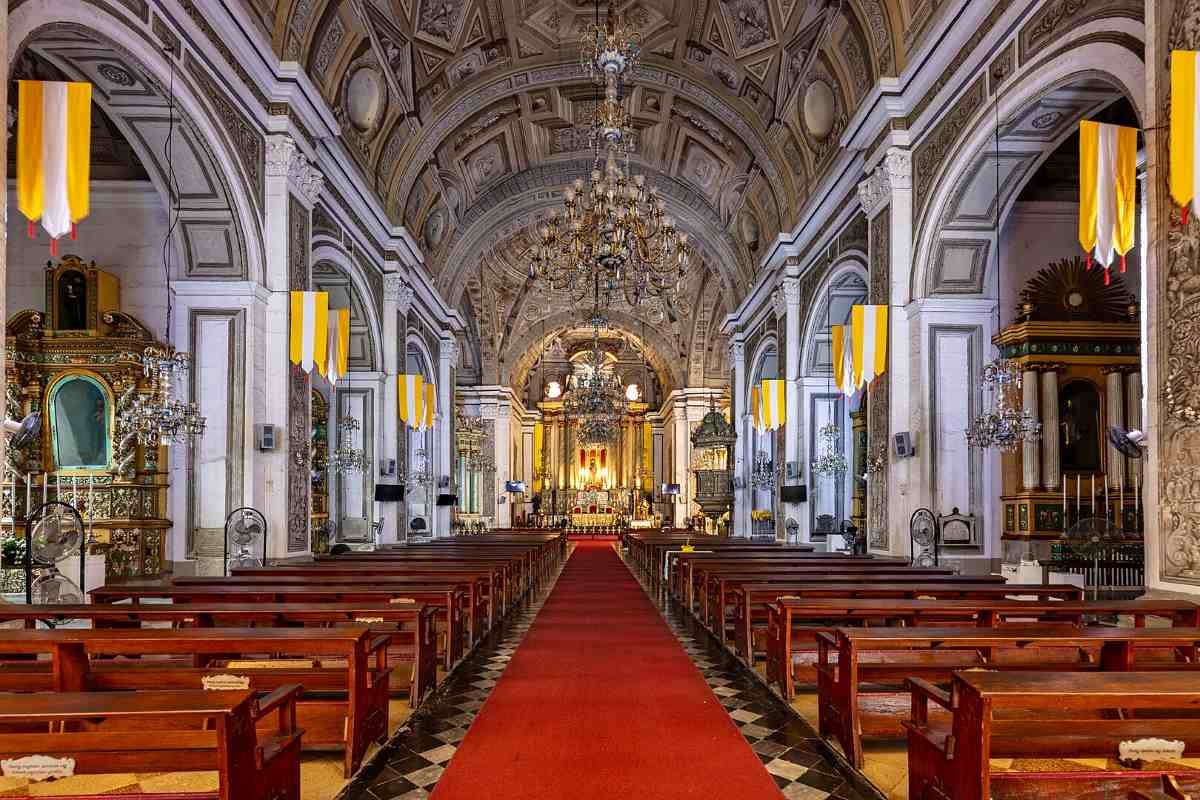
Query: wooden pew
x=751, y=600
x=408, y=626
x=519, y=574
x=687, y=567
x=344, y=705
x=1012, y=714
x=882, y=658
x=449, y=601
x=794, y=622
x=230, y=732
x=715, y=597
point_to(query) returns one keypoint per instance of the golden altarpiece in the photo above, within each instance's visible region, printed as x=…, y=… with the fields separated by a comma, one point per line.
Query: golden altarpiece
x=79, y=364
x=1077, y=342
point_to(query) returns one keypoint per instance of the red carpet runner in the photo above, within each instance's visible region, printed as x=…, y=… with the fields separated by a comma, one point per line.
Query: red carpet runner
x=600, y=701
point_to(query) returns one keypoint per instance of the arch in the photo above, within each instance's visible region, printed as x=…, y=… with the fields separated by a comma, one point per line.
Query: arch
x=365, y=324
x=660, y=353
x=768, y=347
x=1092, y=61
x=850, y=265
x=139, y=57
x=416, y=353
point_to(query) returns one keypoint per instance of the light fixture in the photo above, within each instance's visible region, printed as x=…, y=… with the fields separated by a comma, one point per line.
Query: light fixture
x=554, y=390
x=346, y=457
x=830, y=461
x=609, y=49
x=420, y=472
x=469, y=436
x=633, y=393
x=595, y=396
x=1005, y=425
x=762, y=475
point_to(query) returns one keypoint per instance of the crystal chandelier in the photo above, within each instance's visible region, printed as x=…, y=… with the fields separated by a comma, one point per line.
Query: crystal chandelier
x=346, y=457
x=420, y=472
x=613, y=238
x=762, y=475
x=595, y=399
x=156, y=417
x=1006, y=425
x=831, y=461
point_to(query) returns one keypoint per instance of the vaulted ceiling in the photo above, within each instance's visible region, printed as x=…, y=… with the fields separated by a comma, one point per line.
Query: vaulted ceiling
x=468, y=117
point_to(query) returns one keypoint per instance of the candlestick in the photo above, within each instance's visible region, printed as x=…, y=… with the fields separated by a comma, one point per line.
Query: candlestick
x=1078, y=498
x=28, y=493
x=75, y=491
x=1105, y=482
x=1064, y=513
x=45, y=487
x=91, y=513
x=1136, y=497
x=1092, y=502
x=1121, y=499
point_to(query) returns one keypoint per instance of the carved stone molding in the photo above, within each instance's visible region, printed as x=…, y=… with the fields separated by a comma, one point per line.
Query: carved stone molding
x=878, y=397
x=894, y=173
x=284, y=159
x=737, y=354
x=897, y=165
x=448, y=351
x=397, y=290
x=780, y=303
x=790, y=288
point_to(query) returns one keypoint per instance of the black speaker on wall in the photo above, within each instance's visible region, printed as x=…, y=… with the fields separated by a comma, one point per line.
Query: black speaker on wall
x=794, y=494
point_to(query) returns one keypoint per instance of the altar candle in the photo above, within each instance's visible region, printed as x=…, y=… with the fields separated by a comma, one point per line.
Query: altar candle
x=45, y=487
x=75, y=490
x=1121, y=499
x=91, y=515
x=1078, y=497
x=1092, y=503
x=1136, y=497
x=1064, y=514
x=28, y=492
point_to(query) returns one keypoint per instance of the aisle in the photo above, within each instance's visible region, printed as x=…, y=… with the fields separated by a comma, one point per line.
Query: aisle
x=600, y=701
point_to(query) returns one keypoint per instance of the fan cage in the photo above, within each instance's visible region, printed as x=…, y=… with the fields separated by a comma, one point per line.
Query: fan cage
x=31, y=521
x=239, y=512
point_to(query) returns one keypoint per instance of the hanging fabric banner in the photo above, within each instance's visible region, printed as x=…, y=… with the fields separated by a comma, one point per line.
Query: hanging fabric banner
x=411, y=399
x=1185, y=130
x=54, y=132
x=755, y=408
x=868, y=337
x=430, y=405
x=339, y=344
x=843, y=367
x=1107, y=191
x=309, y=330
x=773, y=397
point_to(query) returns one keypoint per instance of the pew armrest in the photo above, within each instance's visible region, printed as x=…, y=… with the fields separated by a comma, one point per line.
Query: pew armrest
x=922, y=692
x=277, y=698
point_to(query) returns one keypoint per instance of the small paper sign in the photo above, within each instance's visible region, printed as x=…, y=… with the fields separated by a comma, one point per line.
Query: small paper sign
x=402, y=600
x=224, y=683
x=1151, y=750
x=273, y=663
x=37, y=768
x=368, y=620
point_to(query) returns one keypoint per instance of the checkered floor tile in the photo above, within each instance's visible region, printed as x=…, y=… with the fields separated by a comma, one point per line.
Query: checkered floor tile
x=789, y=748
x=409, y=765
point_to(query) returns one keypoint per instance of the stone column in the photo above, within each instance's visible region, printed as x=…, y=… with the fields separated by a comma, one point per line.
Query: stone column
x=793, y=429
x=1031, y=473
x=1133, y=421
x=503, y=456
x=283, y=489
x=397, y=297
x=682, y=450
x=742, y=457
x=1114, y=395
x=858, y=497
x=443, y=456
x=1051, y=465
x=893, y=494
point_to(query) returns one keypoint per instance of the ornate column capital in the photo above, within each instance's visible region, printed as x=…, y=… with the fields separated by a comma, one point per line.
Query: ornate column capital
x=284, y=159
x=791, y=291
x=894, y=173
x=737, y=353
x=780, y=303
x=448, y=351
x=397, y=290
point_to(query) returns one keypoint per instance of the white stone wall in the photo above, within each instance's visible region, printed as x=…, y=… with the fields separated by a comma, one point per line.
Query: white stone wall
x=123, y=235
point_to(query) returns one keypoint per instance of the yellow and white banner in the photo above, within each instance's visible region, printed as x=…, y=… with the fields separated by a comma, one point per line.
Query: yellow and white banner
x=869, y=340
x=843, y=366
x=1185, y=130
x=309, y=330
x=755, y=408
x=772, y=404
x=417, y=401
x=54, y=132
x=1107, y=191
x=339, y=344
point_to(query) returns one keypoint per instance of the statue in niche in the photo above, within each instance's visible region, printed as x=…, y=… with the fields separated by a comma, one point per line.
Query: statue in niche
x=72, y=301
x=79, y=423
x=1079, y=420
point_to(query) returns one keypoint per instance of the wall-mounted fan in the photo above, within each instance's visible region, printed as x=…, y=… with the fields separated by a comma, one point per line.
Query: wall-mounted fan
x=923, y=538
x=53, y=532
x=24, y=431
x=1129, y=443
x=245, y=539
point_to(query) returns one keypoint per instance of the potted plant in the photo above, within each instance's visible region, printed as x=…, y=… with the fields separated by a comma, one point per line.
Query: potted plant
x=12, y=553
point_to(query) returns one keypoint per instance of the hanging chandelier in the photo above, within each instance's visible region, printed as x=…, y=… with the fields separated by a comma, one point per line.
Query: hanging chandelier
x=613, y=238
x=469, y=436
x=346, y=457
x=595, y=398
x=762, y=474
x=420, y=471
x=831, y=461
x=156, y=417
x=1005, y=425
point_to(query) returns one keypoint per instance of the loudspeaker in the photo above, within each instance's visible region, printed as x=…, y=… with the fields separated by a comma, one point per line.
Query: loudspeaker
x=794, y=494
x=389, y=492
x=264, y=436
x=904, y=445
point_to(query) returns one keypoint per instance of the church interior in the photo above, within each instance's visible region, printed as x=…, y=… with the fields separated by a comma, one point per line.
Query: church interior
x=650, y=399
